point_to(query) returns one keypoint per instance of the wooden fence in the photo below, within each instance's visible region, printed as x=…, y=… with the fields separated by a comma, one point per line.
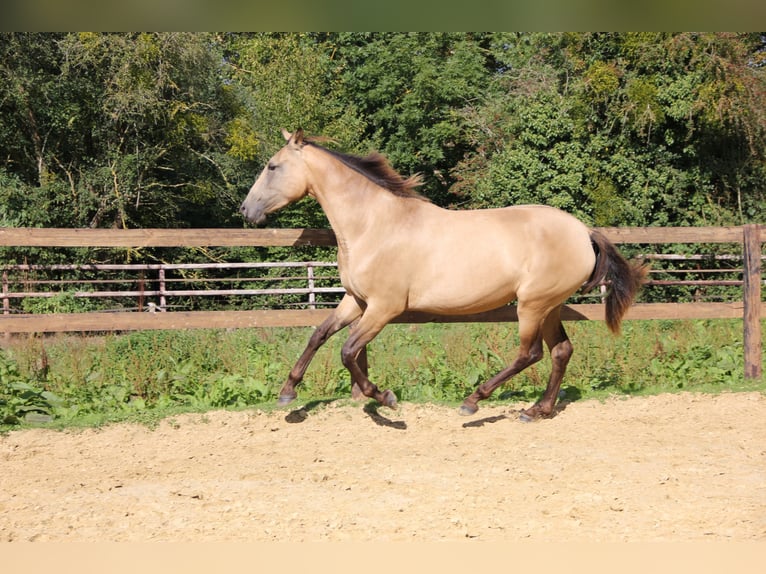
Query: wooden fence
x=750, y=308
x=154, y=286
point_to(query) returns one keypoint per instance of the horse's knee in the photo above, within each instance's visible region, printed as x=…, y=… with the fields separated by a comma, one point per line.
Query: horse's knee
x=562, y=352
x=526, y=357
x=534, y=355
x=348, y=356
x=320, y=336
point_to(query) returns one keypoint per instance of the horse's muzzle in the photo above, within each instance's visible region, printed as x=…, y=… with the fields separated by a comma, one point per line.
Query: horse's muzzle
x=255, y=216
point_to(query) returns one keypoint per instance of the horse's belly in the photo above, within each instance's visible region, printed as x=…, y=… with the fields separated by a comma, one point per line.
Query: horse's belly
x=460, y=307
x=462, y=295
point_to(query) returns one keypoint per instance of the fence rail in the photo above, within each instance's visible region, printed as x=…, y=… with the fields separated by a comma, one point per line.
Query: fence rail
x=747, y=239
x=152, y=286
x=136, y=238
x=17, y=284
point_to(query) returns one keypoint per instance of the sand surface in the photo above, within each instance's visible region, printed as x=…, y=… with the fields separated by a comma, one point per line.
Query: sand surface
x=679, y=467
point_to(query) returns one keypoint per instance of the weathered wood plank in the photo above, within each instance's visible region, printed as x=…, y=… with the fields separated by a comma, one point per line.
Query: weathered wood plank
x=673, y=234
x=296, y=237
x=595, y=312
x=165, y=237
x=751, y=294
x=84, y=322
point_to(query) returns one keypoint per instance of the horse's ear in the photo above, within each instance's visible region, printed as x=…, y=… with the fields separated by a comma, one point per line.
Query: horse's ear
x=295, y=137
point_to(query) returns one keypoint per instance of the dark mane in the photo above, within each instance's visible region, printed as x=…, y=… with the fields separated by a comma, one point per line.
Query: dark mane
x=376, y=168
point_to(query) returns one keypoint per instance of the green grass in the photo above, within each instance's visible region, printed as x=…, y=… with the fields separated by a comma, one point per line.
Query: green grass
x=66, y=380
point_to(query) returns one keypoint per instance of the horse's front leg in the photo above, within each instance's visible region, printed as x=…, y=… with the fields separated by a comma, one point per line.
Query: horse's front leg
x=361, y=359
x=345, y=313
x=354, y=355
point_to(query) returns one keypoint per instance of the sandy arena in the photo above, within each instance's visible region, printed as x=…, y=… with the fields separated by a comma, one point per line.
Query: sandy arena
x=672, y=467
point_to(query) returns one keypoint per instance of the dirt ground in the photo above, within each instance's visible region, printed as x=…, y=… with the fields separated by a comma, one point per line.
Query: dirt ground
x=672, y=467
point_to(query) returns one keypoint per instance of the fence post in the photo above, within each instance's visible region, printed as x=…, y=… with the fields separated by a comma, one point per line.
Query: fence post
x=312, y=295
x=163, y=300
x=751, y=297
x=6, y=300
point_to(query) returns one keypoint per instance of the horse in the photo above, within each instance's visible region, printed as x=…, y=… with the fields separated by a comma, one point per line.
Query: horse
x=399, y=252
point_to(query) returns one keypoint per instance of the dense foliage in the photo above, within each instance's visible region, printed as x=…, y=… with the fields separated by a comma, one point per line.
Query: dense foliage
x=169, y=129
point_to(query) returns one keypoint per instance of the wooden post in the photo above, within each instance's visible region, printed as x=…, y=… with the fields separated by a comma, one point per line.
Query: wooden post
x=6, y=300
x=163, y=299
x=312, y=295
x=751, y=296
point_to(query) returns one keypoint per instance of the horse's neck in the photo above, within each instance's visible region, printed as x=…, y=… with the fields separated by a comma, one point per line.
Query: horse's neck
x=352, y=204
x=350, y=211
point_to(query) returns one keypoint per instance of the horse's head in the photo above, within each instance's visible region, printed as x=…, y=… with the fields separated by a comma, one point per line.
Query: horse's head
x=283, y=181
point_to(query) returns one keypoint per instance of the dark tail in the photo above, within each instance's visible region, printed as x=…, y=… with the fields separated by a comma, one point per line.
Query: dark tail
x=625, y=279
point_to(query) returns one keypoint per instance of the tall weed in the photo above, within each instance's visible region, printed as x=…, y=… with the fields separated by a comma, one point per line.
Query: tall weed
x=66, y=378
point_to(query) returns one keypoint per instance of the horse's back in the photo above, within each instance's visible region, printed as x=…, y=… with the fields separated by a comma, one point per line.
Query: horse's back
x=524, y=233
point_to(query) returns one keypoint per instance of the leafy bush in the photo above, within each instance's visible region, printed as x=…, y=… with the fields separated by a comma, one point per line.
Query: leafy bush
x=22, y=401
x=148, y=374
x=64, y=302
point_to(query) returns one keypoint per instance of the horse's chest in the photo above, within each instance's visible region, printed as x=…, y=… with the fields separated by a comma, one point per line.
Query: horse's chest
x=352, y=282
x=356, y=277
x=346, y=272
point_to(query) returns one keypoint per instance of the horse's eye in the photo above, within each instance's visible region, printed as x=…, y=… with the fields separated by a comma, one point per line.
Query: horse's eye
x=272, y=167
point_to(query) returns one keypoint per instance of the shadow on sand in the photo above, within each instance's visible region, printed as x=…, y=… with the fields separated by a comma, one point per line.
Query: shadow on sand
x=572, y=394
x=302, y=413
x=372, y=410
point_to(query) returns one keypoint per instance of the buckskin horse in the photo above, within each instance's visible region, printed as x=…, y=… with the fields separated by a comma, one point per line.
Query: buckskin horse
x=397, y=251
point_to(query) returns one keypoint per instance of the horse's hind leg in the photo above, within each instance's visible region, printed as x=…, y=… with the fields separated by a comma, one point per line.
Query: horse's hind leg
x=344, y=314
x=561, y=351
x=530, y=351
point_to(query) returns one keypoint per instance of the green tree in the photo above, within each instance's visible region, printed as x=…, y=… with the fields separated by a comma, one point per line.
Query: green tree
x=409, y=90
x=121, y=130
x=623, y=129
x=160, y=113
x=170, y=129
x=285, y=81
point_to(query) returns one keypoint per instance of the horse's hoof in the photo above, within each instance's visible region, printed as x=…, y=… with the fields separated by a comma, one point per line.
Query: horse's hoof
x=526, y=417
x=532, y=414
x=468, y=410
x=286, y=399
x=389, y=399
